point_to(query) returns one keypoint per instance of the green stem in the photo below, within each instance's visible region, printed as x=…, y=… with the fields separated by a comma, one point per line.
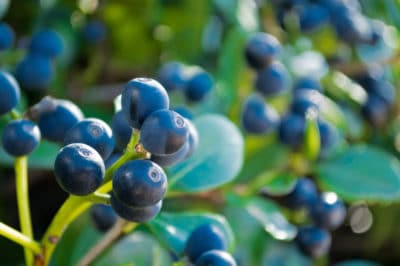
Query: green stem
x=21, y=178
x=15, y=114
x=19, y=238
x=74, y=206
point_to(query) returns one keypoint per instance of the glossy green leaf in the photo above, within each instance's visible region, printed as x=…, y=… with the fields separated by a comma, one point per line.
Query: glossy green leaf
x=362, y=173
x=217, y=159
x=271, y=218
x=284, y=254
x=280, y=183
x=174, y=229
x=357, y=263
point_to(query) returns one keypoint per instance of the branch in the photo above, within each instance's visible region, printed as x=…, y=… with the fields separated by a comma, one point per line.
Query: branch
x=19, y=238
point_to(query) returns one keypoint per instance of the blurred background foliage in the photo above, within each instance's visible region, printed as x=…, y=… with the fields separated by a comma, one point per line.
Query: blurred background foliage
x=141, y=36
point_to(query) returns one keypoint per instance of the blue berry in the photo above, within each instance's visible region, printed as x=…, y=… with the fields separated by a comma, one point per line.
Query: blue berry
x=7, y=36
x=375, y=111
x=34, y=72
x=20, y=137
x=9, y=92
x=272, y=80
x=112, y=159
x=307, y=83
x=79, y=169
x=375, y=84
x=303, y=195
x=329, y=136
x=172, y=76
x=184, y=112
x=47, y=43
x=257, y=116
x=352, y=27
x=121, y=129
x=164, y=132
x=94, y=31
x=140, y=98
x=291, y=130
x=171, y=159
x=304, y=100
x=261, y=49
x=93, y=132
x=134, y=213
x=216, y=258
x=328, y=211
x=313, y=241
x=57, y=117
x=139, y=183
x=193, y=139
x=103, y=216
x=312, y=17
x=204, y=238
x=199, y=86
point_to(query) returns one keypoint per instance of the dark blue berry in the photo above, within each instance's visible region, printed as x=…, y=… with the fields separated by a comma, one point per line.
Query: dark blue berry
x=329, y=136
x=93, y=132
x=139, y=183
x=94, y=31
x=202, y=239
x=164, y=132
x=9, y=92
x=328, y=211
x=141, y=97
x=304, y=100
x=312, y=17
x=272, y=80
x=291, y=130
x=352, y=27
x=258, y=117
x=313, y=241
x=261, y=49
x=57, y=117
x=34, y=72
x=121, y=129
x=216, y=258
x=103, y=216
x=303, y=195
x=20, y=137
x=7, y=36
x=307, y=83
x=171, y=159
x=193, y=139
x=79, y=169
x=184, y=112
x=172, y=76
x=375, y=84
x=375, y=111
x=134, y=213
x=199, y=86
x=47, y=43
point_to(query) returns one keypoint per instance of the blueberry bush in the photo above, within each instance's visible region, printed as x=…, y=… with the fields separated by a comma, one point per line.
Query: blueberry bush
x=204, y=133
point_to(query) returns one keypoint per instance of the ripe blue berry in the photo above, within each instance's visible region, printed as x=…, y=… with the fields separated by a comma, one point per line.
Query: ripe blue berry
x=257, y=116
x=171, y=159
x=328, y=211
x=103, y=216
x=134, y=213
x=312, y=17
x=216, y=258
x=164, y=132
x=272, y=80
x=140, y=98
x=20, y=137
x=352, y=27
x=375, y=111
x=47, y=43
x=9, y=92
x=139, y=183
x=121, y=129
x=57, y=117
x=94, y=31
x=204, y=238
x=93, y=132
x=34, y=72
x=199, y=86
x=313, y=241
x=7, y=36
x=329, y=136
x=184, y=112
x=261, y=49
x=291, y=130
x=307, y=83
x=79, y=169
x=193, y=139
x=304, y=100
x=171, y=75
x=303, y=195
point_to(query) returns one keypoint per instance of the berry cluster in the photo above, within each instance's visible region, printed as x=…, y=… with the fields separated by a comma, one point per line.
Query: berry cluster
x=206, y=246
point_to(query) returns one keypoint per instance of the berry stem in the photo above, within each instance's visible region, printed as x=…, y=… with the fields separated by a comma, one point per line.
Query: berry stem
x=15, y=114
x=21, y=179
x=98, y=197
x=19, y=238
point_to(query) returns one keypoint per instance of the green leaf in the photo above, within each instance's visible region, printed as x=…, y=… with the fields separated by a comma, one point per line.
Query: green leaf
x=217, y=159
x=284, y=254
x=174, y=229
x=270, y=217
x=138, y=249
x=280, y=183
x=311, y=136
x=357, y=263
x=362, y=173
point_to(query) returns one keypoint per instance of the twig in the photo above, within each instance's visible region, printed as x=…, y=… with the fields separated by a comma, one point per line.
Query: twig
x=19, y=238
x=104, y=243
